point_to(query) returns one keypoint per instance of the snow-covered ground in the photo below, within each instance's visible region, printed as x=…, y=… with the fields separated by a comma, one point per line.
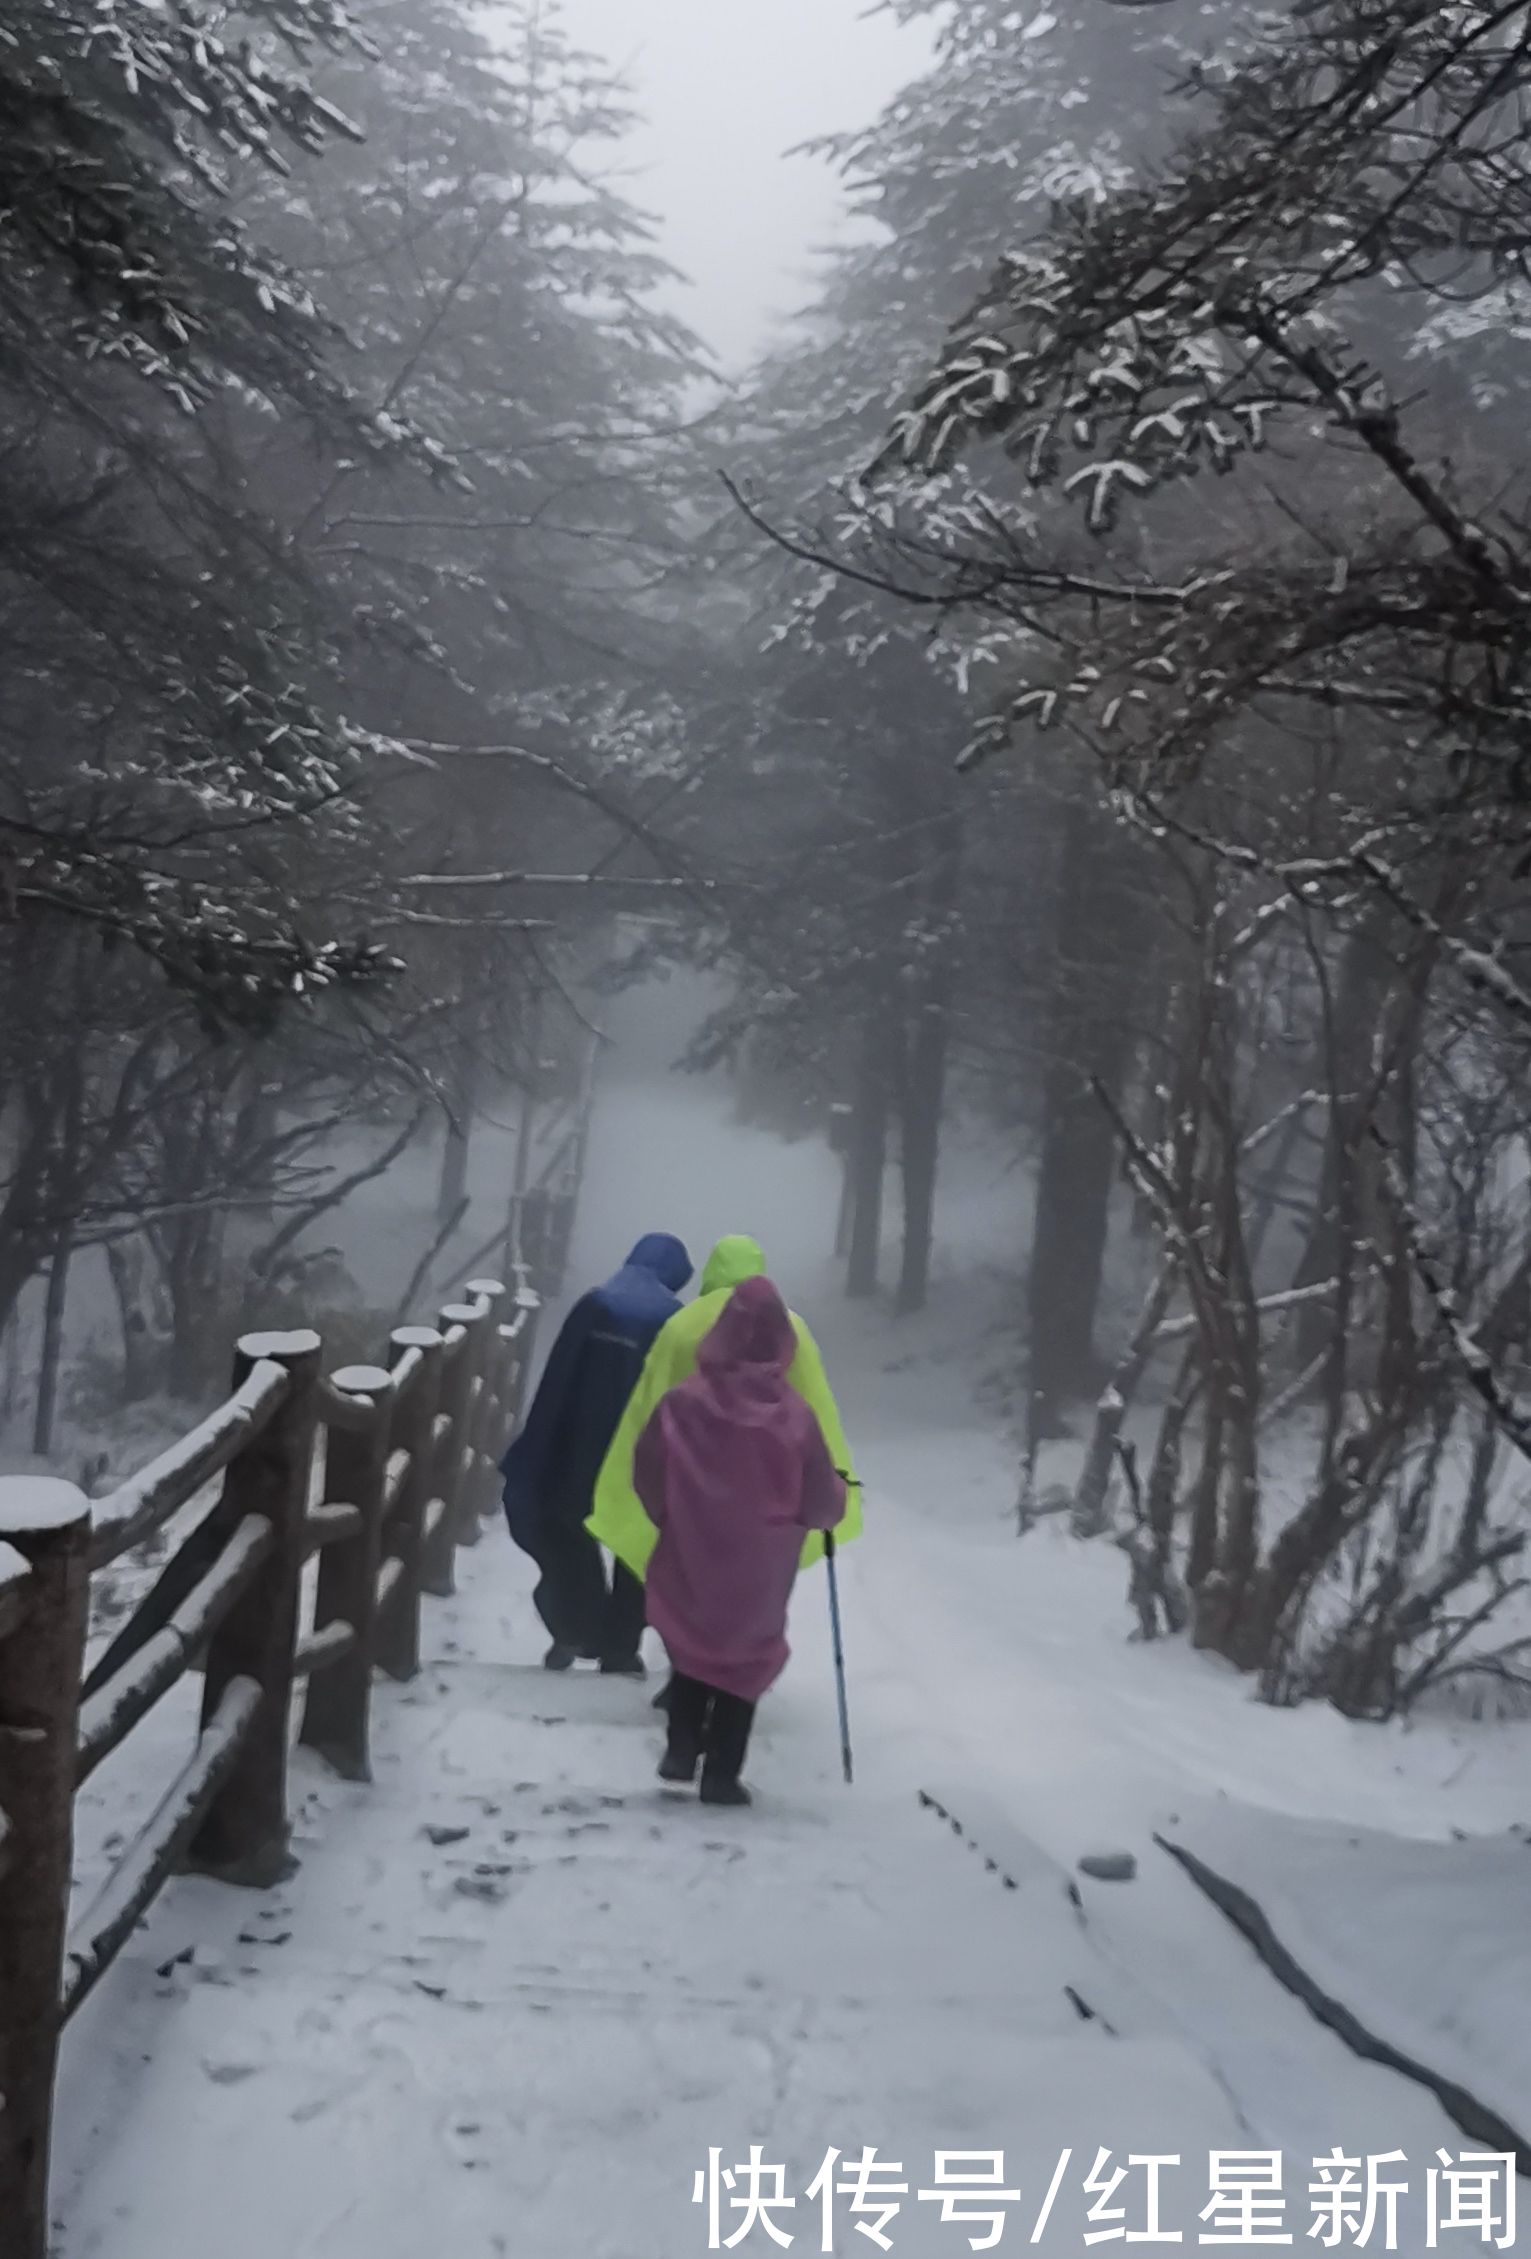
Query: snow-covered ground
x=526, y=2038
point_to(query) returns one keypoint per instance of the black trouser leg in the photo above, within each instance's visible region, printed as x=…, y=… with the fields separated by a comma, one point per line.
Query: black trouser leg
x=625, y=1616
x=571, y=1596
x=728, y=1737
x=690, y=1709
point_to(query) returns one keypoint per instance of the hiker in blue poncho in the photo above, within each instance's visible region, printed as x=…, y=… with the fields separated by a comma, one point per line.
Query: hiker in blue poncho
x=551, y=1468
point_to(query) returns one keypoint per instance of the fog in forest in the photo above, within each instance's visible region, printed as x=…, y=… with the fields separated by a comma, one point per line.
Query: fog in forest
x=902, y=630
x=561, y=556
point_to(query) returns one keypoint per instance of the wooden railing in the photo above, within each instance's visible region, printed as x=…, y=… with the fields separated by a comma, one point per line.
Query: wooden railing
x=383, y=1472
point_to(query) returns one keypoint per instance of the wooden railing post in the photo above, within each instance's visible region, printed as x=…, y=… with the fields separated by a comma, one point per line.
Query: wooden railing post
x=338, y=1708
x=528, y=1310
x=243, y=1837
x=483, y=1487
x=459, y=1326
x=414, y=1419
x=40, y=1664
x=480, y=1380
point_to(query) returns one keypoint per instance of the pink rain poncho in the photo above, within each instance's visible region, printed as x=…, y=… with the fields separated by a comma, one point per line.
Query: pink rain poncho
x=732, y=1471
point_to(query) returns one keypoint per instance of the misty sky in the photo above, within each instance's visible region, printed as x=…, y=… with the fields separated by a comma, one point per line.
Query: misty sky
x=727, y=86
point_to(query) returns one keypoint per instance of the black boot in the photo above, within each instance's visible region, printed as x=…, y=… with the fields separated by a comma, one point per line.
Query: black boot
x=677, y=1767
x=729, y=1721
x=662, y=1698
x=624, y=1667
x=559, y=1657
x=722, y=1788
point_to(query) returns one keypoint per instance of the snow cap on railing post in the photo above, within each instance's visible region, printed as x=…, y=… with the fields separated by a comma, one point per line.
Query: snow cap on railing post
x=521, y=1342
x=482, y=1488
x=415, y=1353
x=337, y=1708
x=484, y=1295
x=243, y=1837
x=48, y=1524
x=460, y=1324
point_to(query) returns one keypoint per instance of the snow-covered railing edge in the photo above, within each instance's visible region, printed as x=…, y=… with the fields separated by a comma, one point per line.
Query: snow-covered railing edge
x=1476, y=2118
x=147, y=1500
x=410, y=1470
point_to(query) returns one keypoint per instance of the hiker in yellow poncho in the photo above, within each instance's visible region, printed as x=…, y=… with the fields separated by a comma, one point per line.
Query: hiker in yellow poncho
x=619, y=1521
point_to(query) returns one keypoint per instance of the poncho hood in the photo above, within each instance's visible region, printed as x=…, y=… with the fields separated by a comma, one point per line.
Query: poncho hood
x=667, y=1258
x=731, y=1262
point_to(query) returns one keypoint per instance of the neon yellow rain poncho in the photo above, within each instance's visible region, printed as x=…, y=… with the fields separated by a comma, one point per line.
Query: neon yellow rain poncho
x=619, y=1521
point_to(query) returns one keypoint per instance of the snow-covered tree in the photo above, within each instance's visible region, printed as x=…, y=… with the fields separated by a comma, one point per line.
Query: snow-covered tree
x=1018, y=109
x=1302, y=682
x=280, y=671
x=165, y=687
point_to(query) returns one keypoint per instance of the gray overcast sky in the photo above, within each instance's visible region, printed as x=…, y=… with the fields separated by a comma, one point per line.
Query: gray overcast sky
x=726, y=88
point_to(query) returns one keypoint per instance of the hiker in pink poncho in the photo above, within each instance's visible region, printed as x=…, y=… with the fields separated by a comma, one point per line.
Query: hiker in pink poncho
x=733, y=1472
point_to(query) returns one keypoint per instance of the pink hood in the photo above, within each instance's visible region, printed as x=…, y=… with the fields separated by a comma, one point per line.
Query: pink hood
x=746, y=1357
x=733, y=1471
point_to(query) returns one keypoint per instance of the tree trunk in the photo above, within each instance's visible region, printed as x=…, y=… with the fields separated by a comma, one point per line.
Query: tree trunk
x=1089, y=1039
x=53, y=1343
x=1343, y=1068
x=1073, y=1213
x=124, y=1261
x=455, y=1153
x=923, y=1091
x=847, y=1210
x=1089, y=1510
x=869, y=1155
x=920, y=1147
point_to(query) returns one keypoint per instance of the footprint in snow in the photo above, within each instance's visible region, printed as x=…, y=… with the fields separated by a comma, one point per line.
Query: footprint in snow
x=488, y=1890
x=232, y=2074
x=461, y=2138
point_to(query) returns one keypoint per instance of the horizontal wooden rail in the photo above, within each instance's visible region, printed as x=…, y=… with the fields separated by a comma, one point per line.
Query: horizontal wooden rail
x=332, y=1524
x=111, y=1713
x=151, y=1858
x=406, y=1373
x=148, y=1500
x=321, y=1649
x=395, y=1476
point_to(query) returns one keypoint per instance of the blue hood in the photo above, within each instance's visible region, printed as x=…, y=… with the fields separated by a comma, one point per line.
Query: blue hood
x=665, y=1257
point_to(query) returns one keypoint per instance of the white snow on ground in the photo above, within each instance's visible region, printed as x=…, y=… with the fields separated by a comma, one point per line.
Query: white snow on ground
x=526, y=2039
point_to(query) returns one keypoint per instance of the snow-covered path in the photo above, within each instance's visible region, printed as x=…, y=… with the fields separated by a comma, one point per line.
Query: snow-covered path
x=514, y=1995
x=525, y=2039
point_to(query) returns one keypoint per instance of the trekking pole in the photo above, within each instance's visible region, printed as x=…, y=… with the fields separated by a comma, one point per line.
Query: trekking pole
x=834, y=1626
x=839, y=1643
